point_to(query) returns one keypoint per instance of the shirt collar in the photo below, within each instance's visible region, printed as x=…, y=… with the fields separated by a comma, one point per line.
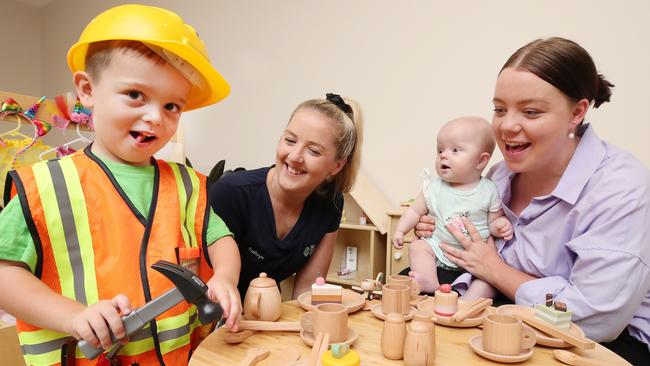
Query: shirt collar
x=584, y=163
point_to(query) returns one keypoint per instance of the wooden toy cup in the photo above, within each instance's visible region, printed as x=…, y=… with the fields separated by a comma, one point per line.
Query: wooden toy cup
x=413, y=285
x=395, y=299
x=327, y=318
x=505, y=335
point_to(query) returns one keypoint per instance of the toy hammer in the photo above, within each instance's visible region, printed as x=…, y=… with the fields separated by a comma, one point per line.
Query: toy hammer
x=188, y=287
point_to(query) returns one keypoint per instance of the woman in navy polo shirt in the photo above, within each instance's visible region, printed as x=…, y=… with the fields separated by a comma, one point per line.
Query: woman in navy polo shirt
x=285, y=217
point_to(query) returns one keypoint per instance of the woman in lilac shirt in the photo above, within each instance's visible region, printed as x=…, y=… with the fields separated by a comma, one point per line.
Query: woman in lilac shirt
x=580, y=206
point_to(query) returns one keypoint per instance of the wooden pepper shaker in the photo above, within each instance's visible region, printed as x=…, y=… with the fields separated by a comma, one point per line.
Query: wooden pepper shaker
x=420, y=343
x=393, y=336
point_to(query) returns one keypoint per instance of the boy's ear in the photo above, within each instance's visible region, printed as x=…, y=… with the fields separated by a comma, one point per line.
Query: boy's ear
x=483, y=160
x=83, y=85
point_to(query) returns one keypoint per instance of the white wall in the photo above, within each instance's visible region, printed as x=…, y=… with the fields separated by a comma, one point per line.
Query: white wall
x=20, y=50
x=412, y=66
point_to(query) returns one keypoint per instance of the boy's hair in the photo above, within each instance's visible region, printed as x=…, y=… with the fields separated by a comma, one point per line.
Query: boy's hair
x=100, y=54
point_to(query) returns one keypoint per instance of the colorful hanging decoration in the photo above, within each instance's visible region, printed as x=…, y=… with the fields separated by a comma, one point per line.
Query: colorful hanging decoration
x=11, y=108
x=79, y=114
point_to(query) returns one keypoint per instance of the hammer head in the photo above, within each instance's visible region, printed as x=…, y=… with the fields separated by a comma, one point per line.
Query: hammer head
x=193, y=289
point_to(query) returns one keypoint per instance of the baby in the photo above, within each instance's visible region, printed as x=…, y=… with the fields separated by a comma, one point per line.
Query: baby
x=465, y=146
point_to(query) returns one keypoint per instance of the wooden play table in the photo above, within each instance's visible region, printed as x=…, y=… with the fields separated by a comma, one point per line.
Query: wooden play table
x=452, y=346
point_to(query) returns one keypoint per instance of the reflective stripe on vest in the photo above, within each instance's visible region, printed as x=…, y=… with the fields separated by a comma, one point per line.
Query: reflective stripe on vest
x=65, y=213
x=188, y=193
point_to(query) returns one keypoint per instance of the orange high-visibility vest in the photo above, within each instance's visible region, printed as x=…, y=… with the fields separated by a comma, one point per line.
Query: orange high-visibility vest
x=92, y=244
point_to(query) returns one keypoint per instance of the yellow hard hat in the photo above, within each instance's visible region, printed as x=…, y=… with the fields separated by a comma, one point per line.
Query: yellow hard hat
x=164, y=30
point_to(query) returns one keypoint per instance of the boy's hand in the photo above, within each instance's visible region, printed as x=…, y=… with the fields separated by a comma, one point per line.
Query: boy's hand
x=502, y=228
x=398, y=239
x=96, y=322
x=227, y=295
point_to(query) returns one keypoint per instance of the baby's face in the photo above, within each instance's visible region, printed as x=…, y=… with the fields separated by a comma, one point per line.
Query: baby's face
x=458, y=154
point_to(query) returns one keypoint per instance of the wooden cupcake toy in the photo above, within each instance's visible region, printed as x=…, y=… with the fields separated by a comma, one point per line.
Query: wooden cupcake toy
x=446, y=301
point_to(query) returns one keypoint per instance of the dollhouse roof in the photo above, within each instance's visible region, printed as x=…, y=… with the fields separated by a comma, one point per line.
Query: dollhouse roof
x=372, y=201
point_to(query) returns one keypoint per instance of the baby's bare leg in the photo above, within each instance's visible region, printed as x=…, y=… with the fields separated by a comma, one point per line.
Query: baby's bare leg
x=423, y=266
x=479, y=288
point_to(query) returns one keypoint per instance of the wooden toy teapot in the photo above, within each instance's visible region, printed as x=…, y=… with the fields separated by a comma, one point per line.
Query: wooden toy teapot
x=263, y=300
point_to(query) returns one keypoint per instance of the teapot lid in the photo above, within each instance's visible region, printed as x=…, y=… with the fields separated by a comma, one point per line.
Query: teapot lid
x=263, y=281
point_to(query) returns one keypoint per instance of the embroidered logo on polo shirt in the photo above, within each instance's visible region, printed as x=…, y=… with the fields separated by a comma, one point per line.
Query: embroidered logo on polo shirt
x=256, y=254
x=309, y=250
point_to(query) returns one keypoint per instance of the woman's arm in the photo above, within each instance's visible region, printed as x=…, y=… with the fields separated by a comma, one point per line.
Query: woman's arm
x=482, y=260
x=318, y=263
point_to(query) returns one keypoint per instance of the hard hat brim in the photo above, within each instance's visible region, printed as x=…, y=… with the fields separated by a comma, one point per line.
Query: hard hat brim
x=218, y=87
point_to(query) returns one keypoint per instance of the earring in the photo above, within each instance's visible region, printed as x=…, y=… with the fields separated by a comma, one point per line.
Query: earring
x=572, y=135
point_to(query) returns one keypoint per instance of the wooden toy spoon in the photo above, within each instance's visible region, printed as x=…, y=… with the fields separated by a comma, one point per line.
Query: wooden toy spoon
x=237, y=337
x=571, y=358
x=254, y=355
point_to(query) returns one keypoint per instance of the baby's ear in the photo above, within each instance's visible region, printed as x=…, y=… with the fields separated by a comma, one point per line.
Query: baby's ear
x=83, y=85
x=483, y=160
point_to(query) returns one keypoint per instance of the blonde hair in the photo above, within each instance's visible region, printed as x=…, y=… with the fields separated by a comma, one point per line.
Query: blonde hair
x=100, y=54
x=348, y=136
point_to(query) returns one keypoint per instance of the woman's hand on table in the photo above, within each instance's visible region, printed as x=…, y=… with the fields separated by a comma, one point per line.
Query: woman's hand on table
x=227, y=296
x=479, y=258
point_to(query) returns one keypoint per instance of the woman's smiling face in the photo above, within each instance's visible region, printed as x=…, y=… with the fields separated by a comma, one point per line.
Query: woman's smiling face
x=531, y=122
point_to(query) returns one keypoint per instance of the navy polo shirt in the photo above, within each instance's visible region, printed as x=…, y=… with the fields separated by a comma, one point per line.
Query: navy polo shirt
x=242, y=200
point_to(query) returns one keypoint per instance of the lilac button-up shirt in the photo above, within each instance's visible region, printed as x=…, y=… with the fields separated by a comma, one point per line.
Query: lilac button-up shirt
x=588, y=242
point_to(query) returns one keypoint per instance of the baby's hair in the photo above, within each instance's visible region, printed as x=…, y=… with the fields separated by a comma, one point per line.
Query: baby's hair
x=99, y=54
x=482, y=126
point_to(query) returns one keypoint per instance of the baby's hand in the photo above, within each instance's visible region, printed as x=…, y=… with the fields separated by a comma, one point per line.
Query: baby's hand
x=503, y=228
x=96, y=322
x=398, y=239
x=227, y=295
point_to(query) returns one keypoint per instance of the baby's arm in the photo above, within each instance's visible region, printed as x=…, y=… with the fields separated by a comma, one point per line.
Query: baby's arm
x=224, y=256
x=409, y=219
x=499, y=225
x=29, y=299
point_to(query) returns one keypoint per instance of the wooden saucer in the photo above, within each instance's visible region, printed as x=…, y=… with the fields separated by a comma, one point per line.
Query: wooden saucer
x=379, y=313
x=428, y=305
x=542, y=338
x=476, y=343
x=350, y=299
x=308, y=337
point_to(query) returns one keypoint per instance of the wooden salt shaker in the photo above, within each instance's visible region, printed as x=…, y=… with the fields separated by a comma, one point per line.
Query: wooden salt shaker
x=420, y=343
x=393, y=336
x=446, y=301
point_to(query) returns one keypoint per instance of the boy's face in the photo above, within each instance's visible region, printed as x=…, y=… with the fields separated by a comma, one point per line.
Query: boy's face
x=136, y=106
x=458, y=159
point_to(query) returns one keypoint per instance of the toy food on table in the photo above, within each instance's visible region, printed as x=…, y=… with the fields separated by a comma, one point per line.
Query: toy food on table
x=554, y=313
x=322, y=292
x=446, y=301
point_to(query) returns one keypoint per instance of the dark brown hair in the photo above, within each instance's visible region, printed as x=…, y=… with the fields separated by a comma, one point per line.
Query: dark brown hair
x=565, y=65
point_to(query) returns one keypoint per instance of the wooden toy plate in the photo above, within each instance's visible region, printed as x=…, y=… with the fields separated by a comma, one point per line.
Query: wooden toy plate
x=542, y=338
x=427, y=305
x=350, y=299
x=476, y=343
x=308, y=337
x=379, y=313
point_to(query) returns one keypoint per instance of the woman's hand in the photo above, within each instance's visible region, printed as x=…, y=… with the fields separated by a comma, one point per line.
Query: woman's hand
x=479, y=258
x=425, y=227
x=227, y=295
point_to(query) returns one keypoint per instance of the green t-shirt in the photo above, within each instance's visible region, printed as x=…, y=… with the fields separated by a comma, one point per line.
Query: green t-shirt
x=16, y=243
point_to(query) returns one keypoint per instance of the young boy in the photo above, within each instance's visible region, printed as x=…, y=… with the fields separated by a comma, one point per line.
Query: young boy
x=78, y=241
x=465, y=146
